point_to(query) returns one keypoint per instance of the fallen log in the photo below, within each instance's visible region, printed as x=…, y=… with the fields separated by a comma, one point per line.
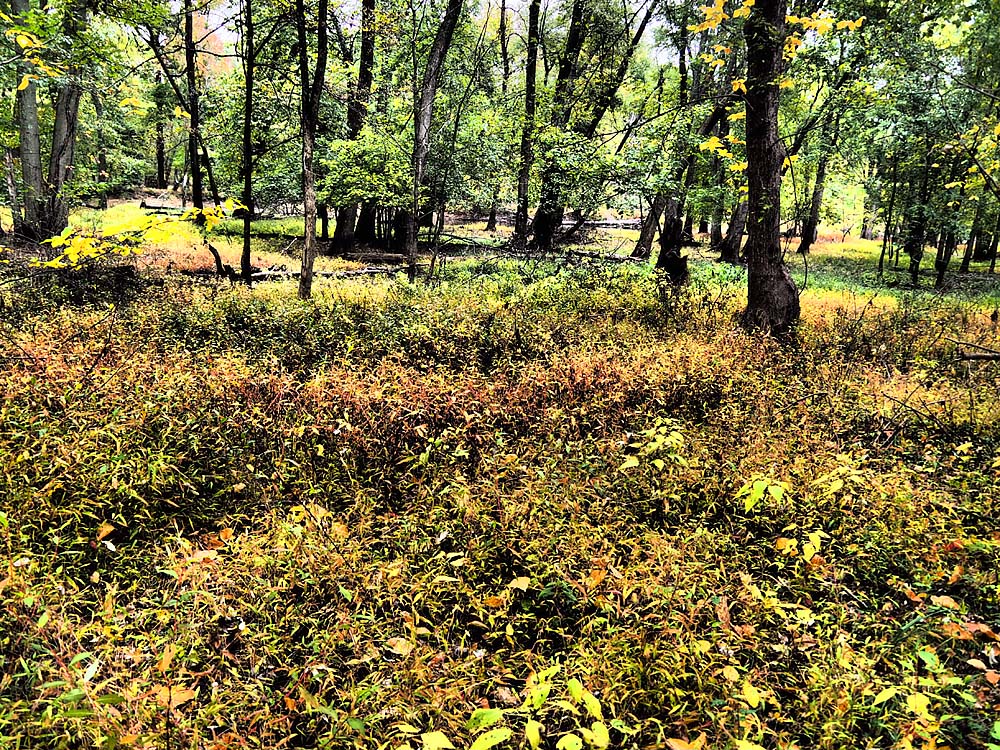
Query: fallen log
x=607, y=258
x=373, y=271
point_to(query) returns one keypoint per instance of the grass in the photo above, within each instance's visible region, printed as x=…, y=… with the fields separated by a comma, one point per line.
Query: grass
x=520, y=493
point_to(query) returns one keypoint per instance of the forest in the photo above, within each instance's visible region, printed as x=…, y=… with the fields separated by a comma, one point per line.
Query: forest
x=471, y=374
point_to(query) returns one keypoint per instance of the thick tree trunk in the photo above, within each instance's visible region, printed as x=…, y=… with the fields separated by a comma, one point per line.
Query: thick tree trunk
x=772, y=299
x=344, y=232
x=63, y=154
x=30, y=148
x=422, y=116
x=312, y=91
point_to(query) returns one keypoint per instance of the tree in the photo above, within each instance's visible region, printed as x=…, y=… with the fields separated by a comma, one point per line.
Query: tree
x=423, y=112
x=772, y=299
x=311, y=92
x=528, y=129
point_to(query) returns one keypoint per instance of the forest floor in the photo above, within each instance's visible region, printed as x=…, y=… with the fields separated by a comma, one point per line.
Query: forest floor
x=527, y=503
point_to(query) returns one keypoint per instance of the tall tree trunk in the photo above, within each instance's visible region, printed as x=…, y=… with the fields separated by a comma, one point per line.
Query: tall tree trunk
x=974, y=235
x=915, y=222
x=357, y=111
x=422, y=117
x=772, y=299
x=161, y=140
x=30, y=148
x=312, y=92
x=193, y=106
x=650, y=223
x=887, y=234
x=528, y=130
x=249, y=65
x=502, y=38
x=810, y=229
x=733, y=243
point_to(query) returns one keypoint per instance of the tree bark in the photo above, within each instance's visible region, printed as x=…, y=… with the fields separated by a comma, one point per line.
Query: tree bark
x=193, y=106
x=528, y=130
x=733, y=243
x=312, y=91
x=30, y=148
x=650, y=223
x=772, y=299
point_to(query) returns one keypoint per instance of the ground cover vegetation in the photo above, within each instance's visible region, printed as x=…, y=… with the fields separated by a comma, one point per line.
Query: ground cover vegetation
x=397, y=375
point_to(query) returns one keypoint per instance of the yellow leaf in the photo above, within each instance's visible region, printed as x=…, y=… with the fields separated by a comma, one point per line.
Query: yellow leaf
x=533, y=733
x=400, y=646
x=944, y=601
x=918, y=703
x=172, y=697
x=25, y=82
x=103, y=530
x=730, y=673
x=751, y=695
x=885, y=695
x=786, y=83
x=747, y=745
x=521, y=583
x=436, y=741
x=168, y=656
x=740, y=84
x=696, y=744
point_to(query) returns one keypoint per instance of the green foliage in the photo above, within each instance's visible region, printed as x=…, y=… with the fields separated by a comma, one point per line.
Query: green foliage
x=386, y=516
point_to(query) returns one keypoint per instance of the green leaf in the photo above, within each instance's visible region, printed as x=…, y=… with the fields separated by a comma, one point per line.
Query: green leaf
x=111, y=699
x=483, y=717
x=533, y=733
x=569, y=742
x=492, y=738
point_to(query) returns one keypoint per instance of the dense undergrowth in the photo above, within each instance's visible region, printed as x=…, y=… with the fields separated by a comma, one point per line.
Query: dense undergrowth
x=237, y=520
